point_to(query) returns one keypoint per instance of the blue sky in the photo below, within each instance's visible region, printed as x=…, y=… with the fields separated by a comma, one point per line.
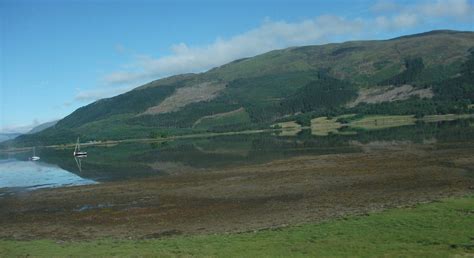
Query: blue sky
x=56, y=56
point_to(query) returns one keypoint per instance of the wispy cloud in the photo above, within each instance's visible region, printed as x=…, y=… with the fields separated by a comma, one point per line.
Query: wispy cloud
x=428, y=8
x=19, y=128
x=397, y=22
x=268, y=36
x=385, y=6
x=120, y=48
x=459, y=9
x=99, y=93
x=394, y=16
x=184, y=58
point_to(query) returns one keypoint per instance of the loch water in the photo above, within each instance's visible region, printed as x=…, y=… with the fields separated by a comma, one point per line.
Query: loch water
x=127, y=161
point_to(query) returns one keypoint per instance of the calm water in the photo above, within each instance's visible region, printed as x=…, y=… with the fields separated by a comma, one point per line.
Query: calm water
x=17, y=174
x=58, y=168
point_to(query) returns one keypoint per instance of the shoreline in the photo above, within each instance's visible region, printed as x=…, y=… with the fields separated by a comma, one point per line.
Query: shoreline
x=437, y=228
x=364, y=123
x=287, y=192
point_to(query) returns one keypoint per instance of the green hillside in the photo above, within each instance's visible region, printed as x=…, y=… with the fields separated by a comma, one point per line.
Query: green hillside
x=294, y=83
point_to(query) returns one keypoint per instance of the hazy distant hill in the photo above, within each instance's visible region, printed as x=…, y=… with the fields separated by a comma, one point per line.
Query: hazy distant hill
x=42, y=126
x=417, y=74
x=36, y=129
x=8, y=136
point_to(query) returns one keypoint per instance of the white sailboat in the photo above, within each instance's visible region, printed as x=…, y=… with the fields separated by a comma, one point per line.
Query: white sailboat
x=34, y=157
x=77, y=150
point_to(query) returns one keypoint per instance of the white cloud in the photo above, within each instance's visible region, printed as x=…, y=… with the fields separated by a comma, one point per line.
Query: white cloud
x=428, y=8
x=270, y=35
x=409, y=16
x=24, y=128
x=15, y=128
x=401, y=21
x=405, y=20
x=459, y=9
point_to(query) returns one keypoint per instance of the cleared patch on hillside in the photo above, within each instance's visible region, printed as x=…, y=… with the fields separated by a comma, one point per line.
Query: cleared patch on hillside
x=389, y=94
x=184, y=96
x=238, y=116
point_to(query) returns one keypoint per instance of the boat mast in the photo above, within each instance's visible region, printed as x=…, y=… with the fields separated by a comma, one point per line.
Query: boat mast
x=77, y=144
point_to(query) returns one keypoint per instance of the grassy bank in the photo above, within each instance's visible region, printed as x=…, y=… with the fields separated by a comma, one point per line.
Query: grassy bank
x=433, y=230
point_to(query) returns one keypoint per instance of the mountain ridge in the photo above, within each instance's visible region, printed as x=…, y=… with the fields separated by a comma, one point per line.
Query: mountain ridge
x=281, y=84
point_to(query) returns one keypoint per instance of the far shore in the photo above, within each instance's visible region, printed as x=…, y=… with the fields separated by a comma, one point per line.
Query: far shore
x=320, y=126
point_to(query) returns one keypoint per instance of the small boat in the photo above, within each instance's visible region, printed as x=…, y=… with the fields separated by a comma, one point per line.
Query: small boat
x=77, y=150
x=34, y=157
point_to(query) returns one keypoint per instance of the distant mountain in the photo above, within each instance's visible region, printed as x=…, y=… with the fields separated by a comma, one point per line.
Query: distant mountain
x=8, y=136
x=42, y=126
x=426, y=73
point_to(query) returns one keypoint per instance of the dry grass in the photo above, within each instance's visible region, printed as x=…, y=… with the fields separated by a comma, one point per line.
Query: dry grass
x=380, y=122
x=290, y=128
x=447, y=117
x=322, y=126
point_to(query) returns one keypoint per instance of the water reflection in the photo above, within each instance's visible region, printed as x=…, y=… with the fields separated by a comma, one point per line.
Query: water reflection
x=32, y=175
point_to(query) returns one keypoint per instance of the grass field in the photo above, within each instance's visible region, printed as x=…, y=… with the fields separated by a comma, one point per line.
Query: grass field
x=382, y=121
x=322, y=126
x=447, y=117
x=437, y=229
x=290, y=128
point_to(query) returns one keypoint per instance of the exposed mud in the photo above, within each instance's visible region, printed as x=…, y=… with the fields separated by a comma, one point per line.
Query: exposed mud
x=253, y=197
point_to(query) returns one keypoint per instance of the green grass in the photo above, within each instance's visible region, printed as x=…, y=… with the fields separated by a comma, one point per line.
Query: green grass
x=438, y=229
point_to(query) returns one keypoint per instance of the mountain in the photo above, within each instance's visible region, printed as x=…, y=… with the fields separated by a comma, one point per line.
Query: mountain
x=419, y=74
x=8, y=136
x=36, y=129
x=42, y=126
